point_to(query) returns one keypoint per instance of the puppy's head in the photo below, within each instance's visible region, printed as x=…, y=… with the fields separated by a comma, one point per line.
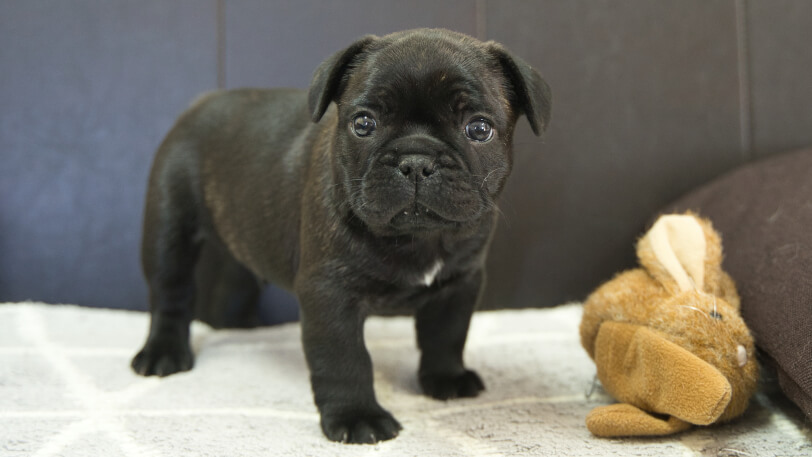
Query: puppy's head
x=425, y=123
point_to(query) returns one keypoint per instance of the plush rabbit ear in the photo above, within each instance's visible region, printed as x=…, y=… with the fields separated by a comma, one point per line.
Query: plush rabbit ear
x=638, y=366
x=674, y=251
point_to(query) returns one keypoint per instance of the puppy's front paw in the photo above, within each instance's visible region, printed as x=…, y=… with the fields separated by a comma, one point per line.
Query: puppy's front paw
x=444, y=386
x=163, y=358
x=363, y=427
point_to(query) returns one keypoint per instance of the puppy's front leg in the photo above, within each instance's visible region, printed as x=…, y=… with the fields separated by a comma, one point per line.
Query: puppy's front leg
x=442, y=327
x=340, y=366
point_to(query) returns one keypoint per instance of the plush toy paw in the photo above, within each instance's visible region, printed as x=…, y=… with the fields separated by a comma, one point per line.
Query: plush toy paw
x=445, y=387
x=626, y=420
x=643, y=368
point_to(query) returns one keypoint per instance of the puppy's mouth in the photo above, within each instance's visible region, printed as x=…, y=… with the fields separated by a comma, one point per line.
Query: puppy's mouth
x=389, y=204
x=417, y=217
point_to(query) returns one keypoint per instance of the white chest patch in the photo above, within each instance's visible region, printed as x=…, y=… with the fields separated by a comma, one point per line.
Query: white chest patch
x=428, y=277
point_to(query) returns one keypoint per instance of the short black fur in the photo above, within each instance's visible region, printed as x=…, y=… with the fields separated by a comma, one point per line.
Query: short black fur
x=255, y=186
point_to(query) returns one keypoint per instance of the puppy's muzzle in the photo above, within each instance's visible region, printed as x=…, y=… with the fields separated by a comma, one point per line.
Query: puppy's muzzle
x=417, y=183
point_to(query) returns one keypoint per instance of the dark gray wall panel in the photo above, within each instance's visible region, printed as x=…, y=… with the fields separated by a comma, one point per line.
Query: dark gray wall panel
x=646, y=106
x=87, y=90
x=780, y=53
x=280, y=43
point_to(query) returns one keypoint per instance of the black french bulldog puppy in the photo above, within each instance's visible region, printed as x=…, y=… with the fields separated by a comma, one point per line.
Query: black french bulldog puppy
x=373, y=193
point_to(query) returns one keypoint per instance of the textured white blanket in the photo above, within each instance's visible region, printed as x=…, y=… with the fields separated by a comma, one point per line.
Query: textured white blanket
x=66, y=389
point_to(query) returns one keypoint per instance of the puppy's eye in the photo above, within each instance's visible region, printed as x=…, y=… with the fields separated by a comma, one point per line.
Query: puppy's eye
x=479, y=130
x=363, y=125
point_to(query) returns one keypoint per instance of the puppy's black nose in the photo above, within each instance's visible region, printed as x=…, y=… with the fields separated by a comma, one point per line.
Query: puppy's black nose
x=416, y=166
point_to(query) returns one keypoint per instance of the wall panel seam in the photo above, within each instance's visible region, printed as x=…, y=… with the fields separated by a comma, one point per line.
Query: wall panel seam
x=481, y=20
x=221, y=44
x=745, y=84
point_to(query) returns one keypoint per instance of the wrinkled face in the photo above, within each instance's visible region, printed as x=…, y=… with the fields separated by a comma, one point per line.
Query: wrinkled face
x=424, y=136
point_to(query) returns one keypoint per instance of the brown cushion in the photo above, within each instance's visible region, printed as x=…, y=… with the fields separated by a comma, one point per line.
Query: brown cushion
x=764, y=212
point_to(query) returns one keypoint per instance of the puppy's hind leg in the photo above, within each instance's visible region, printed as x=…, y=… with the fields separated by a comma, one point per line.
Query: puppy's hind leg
x=227, y=293
x=170, y=248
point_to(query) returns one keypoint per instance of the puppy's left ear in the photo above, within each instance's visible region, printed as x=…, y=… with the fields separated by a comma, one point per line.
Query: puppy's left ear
x=533, y=95
x=327, y=78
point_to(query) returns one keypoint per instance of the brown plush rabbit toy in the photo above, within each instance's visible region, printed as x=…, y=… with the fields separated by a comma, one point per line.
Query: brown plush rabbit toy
x=667, y=339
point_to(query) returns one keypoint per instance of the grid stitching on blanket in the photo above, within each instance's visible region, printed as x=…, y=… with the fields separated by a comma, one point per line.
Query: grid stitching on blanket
x=105, y=411
x=101, y=408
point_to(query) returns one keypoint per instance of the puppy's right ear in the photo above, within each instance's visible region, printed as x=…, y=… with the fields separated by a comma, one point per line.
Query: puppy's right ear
x=327, y=78
x=533, y=95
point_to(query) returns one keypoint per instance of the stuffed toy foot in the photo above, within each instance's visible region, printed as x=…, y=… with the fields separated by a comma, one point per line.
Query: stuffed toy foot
x=623, y=419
